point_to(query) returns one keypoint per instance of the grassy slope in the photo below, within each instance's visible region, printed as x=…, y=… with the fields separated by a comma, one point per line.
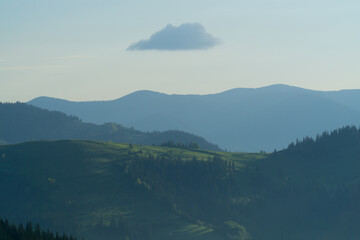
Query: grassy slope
x=79, y=183
x=309, y=191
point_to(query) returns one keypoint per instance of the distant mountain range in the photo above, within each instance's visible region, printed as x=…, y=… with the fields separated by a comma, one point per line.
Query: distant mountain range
x=21, y=122
x=242, y=119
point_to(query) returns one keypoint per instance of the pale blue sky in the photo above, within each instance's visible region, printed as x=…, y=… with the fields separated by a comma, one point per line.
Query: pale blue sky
x=76, y=49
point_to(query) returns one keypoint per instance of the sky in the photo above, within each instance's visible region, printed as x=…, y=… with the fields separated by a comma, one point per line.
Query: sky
x=100, y=50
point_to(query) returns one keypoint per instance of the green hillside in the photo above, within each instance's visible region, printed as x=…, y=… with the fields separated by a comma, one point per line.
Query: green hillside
x=96, y=189
x=20, y=122
x=121, y=191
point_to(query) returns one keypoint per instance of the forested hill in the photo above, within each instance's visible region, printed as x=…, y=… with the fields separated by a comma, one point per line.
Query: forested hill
x=342, y=139
x=332, y=158
x=242, y=119
x=21, y=122
x=108, y=191
x=313, y=185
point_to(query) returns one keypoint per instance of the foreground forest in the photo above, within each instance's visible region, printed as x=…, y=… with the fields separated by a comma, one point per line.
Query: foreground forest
x=111, y=191
x=10, y=231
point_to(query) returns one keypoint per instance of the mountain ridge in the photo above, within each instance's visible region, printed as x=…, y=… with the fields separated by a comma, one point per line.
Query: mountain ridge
x=21, y=122
x=225, y=118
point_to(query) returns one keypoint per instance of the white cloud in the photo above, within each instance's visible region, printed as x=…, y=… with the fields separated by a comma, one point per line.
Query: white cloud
x=188, y=36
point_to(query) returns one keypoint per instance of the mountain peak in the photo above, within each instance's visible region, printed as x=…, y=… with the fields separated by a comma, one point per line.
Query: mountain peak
x=283, y=87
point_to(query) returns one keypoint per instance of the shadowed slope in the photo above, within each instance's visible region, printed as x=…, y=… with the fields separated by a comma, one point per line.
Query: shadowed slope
x=21, y=122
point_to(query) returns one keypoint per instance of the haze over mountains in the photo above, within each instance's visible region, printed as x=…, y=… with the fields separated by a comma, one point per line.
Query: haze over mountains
x=20, y=122
x=106, y=190
x=242, y=119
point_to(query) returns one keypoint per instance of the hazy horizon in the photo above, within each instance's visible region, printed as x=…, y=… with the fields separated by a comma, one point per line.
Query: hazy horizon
x=86, y=50
x=173, y=93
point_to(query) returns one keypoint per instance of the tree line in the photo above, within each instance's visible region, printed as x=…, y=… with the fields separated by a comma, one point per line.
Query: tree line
x=9, y=231
x=190, y=187
x=190, y=145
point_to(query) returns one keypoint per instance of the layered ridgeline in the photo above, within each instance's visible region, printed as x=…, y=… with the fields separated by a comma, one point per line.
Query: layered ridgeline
x=240, y=119
x=118, y=191
x=21, y=122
